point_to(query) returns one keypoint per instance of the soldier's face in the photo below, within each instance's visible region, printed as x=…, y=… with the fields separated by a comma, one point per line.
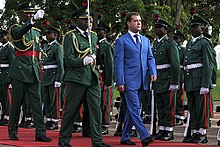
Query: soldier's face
x=196, y=30
x=135, y=24
x=51, y=36
x=160, y=30
x=101, y=34
x=25, y=16
x=3, y=39
x=82, y=23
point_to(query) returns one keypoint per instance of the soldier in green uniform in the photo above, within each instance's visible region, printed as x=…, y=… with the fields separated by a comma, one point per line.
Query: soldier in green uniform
x=6, y=56
x=214, y=73
x=178, y=38
x=52, y=75
x=198, y=61
x=82, y=80
x=105, y=61
x=24, y=71
x=166, y=55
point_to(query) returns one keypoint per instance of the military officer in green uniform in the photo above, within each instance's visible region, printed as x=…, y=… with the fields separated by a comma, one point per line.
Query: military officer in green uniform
x=214, y=73
x=178, y=38
x=105, y=61
x=52, y=75
x=6, y=56
x=24, y=71
x=82, y=80
x=166, y=55
x=198, y=66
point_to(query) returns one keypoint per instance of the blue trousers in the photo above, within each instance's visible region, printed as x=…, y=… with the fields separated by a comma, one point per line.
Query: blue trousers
x=133, y=115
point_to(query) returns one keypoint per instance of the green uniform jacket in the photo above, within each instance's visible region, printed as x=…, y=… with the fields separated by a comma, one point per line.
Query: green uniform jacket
x=54, y=56
x=75, y=70
x=181, y=51
x=105, y=57
x=165, y=52
x=26, y=41
x=199, y=51
x=6, y=56
x=214, y=64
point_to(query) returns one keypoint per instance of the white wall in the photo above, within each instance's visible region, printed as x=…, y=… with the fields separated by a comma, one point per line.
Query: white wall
x=217, y=49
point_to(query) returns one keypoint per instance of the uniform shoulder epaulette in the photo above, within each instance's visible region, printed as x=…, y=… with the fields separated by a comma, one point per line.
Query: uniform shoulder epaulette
x=94, y=32
x=206, y=39
x=107, y=42
x=57, y=43
x=168, y=40
x=71, y=31
x=36, y=29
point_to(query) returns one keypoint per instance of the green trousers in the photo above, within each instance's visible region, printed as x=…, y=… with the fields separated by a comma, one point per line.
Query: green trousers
x=75, y=95
x=166, y=108
x=20, y=89
x=199, y=110
x=50, y=96
x=4, y=99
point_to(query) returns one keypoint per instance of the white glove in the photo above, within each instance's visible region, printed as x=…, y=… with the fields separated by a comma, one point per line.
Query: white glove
x=173, y=87
x=218, y=135
x=204, y=90
x=106, y=87
x=214, y=85
x=10, y=86
x=39, y=15
x=57, y=84
x=93, y=56
x=87, y=60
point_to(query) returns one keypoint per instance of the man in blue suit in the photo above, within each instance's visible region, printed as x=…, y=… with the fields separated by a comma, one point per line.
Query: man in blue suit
x=132, y=60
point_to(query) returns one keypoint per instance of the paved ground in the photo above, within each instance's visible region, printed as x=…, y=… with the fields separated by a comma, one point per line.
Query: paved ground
x=179, y=130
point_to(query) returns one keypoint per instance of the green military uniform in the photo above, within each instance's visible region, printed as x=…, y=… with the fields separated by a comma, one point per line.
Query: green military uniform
x=146, y=100
x=214, y=74
x=52, y=72
x=198, y=60
x=82, y=82
x=165, y=52
x=178, y=36
x=105, y=61
x=166, y=55
x=6, y=57
x=24, y=73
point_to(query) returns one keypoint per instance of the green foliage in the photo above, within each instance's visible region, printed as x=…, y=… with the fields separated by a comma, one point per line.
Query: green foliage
x=113, y=13
x=216, y=91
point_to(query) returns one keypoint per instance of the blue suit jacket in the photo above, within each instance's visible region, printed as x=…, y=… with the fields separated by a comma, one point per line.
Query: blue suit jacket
x=132, y=64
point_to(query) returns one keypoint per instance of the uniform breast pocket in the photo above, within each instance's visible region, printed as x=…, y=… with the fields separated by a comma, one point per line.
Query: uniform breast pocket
x=197, y=78
x=161, y=56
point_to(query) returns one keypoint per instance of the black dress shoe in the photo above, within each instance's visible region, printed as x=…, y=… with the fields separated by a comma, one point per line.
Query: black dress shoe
x=201, y=139
x=27, y=124
x=218, y=143
x=48, y=124
x=43, y=139
x=159, y=135
x=4, y=122
x=77, y=128
x=133, y=133
x=118, y=133
x=53, y=126
x=63, y=144
x=104, y=130
x=147, y=141
x=13, y=137
x=103, y=145
x=168, y=135
x=128, y=142
x=190, y=139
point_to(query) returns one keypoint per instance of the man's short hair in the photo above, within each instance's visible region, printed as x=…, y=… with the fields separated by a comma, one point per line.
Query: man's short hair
x=129, y=15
